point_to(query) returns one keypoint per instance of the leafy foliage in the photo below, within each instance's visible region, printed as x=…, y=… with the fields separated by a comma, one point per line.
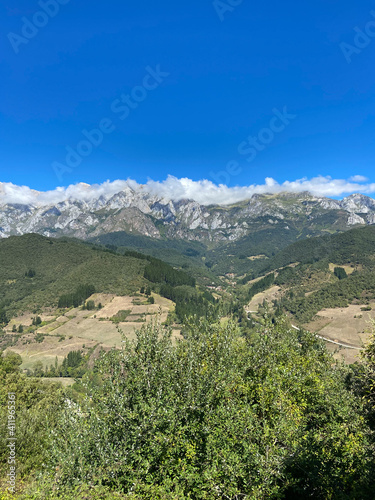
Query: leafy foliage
x=216, y=416
x=37, y=408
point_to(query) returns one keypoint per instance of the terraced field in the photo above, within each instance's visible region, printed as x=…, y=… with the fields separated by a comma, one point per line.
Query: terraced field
x=78, y=329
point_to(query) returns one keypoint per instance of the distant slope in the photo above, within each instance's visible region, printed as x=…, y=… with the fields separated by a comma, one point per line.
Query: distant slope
x=177, y=252
x=355, y=246
x=189, y=255
x=310, y=284
x=59, y=267
x=268, y=235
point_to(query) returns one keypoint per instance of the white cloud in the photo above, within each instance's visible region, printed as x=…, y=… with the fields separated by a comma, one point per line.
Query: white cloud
x=358, y=178
x=204, y=191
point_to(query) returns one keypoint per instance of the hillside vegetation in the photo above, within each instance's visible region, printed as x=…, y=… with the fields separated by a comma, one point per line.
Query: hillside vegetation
x=188, y=255
x=212, y=404
x=35, y=271
x=310, y=275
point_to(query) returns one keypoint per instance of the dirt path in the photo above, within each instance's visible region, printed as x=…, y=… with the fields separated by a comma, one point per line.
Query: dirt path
x=330, y=340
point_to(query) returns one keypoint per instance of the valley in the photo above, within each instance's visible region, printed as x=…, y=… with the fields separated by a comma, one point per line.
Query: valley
x=187, y=251
x=325, y=284
x=138, y=336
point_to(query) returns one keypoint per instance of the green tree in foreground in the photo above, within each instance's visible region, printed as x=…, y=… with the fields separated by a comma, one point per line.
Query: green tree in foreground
x=37, y=407
x=217, y=416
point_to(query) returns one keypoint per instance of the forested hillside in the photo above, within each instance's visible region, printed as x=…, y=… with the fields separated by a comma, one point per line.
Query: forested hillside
x=35, y=271
x=356, y=246
x=38, y=272
x=310, y=275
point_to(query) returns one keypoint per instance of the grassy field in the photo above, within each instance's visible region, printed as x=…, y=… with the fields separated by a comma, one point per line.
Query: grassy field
x=349, y=325
x=79, y=329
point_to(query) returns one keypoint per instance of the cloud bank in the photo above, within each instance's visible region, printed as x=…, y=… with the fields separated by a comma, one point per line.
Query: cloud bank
x=204, y=191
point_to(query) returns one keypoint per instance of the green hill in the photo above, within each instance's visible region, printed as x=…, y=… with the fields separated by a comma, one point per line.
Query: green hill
x=356, y=246
x=35, y=271
x=184, y=254
x=310, y=275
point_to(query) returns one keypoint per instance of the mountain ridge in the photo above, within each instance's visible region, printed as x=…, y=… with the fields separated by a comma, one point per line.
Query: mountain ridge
x=140, y=212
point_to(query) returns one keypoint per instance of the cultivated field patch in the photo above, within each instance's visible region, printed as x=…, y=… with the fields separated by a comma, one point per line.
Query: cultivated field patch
x=79, y=329
x=348, y=325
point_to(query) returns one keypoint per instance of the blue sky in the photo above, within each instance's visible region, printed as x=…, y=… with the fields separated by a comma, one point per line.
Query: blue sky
x=223, y=77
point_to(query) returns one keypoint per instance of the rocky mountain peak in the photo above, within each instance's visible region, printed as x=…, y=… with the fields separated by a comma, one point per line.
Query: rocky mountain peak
x=142, y=212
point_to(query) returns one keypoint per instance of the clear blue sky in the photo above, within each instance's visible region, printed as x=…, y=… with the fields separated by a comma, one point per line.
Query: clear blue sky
x=226, y=76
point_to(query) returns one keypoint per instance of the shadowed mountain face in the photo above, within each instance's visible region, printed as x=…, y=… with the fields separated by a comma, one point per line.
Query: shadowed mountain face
x=138, y=212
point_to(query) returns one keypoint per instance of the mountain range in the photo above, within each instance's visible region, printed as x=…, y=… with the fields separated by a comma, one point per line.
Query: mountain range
x=139, y=212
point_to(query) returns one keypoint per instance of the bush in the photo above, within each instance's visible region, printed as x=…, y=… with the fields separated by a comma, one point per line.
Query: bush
x=217, y=416
x=37, y=407
x=39, y=337
x=37, y=321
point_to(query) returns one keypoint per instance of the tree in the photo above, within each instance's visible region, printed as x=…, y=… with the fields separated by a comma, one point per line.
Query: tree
x=3, y=317
x=10, y=362
x=340, y=273
x=37, y=405
x=218, y=416
x=90, y=305
x=368, y=356
x=38, y=369
x=76, y=298
x=37, y=320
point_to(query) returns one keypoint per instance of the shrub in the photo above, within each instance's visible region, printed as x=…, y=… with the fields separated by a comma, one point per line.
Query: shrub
x=217, y=416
